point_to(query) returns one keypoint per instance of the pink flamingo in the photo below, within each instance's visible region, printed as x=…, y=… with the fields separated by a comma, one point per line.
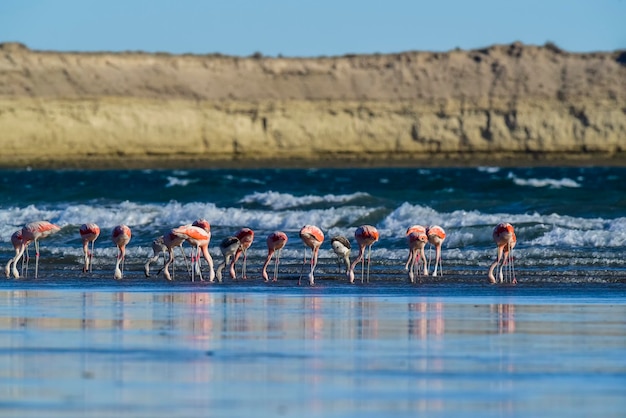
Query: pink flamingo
x=199, y=238
x=416, y=238
x=505, y=239
x=275, y=242
x=162, y=245
x=229, y=247
x=341, y=248
x=34, y=231
x=245, y=236
x=312, y=237
x=89, y=233
x=366, y=236
x=16, y=241
x=436, y=236
x=121, y=237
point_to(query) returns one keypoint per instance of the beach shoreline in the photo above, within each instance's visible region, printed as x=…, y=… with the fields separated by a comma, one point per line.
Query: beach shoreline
x=176, y=162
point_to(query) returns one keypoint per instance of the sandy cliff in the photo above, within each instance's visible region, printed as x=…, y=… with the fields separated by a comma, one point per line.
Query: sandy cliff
x=506, y=104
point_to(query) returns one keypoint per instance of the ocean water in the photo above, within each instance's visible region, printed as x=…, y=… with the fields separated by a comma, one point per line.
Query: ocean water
x=570, y=222
x=80, y=344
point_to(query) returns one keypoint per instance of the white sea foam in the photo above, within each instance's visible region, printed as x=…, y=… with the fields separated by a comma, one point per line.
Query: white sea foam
x=279, y=201
x=490, y=170
x=552, y=183
x=540, y=237
x=175, y=181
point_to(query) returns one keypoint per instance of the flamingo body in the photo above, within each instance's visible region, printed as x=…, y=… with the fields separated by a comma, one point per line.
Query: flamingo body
x=341, y=248
x=89, y=233
x=199, y=238
x=436, y=236
x=365, y=236
x=275, y=242
x=245, y=236
x=171, y=241
x=33, y=232
x=120, y=236
x=158, y=248
x=229, y=247
x=416, y=239
x=312, y=237
x=161, y=245
x=505, y=239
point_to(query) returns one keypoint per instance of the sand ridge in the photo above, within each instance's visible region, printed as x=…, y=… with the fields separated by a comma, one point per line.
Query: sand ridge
x=504, y=104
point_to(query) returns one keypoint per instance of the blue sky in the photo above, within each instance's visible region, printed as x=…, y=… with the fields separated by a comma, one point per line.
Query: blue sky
x=310, y=28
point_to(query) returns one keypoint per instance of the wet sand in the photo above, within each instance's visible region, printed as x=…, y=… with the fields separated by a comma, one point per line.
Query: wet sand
x=240, y=350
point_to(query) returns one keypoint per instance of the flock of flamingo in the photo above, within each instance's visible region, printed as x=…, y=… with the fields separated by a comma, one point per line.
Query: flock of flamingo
x=198, y=236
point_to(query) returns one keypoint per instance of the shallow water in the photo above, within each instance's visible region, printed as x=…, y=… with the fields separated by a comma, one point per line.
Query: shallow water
x=376, y=349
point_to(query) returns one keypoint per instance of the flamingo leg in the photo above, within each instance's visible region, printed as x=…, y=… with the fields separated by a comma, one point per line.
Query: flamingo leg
x=362, y=260
x=93, y=243
x=369, y=259
x=233, y=273
x=182, y=252
x=410, y=265
x=313, y=265
x=25, y=262
x=243, y=267
x=123, y=263
x=438, y=262
x=209, y=261
x=36, y=258
x=276, y=266
x=302, y=268
x=513, y=279
x=199, y=265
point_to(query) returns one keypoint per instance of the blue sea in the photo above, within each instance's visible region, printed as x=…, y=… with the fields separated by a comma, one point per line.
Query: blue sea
x=85, y=344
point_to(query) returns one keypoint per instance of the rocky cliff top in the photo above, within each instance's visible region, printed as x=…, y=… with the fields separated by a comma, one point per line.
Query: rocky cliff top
x=500, y=72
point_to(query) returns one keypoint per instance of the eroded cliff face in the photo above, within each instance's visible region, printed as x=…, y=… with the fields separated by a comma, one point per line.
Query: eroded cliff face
x=509, y=104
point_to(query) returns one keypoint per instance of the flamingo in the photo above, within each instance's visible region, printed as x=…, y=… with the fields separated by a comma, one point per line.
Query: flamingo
x=171, y=241
x=245, y=236
x=229, y=247
x=89, y=233
x=312, y=237
x=34, y=231
x=158, y=247
x=275, y=242
x=204, y=224
x=416, y=238
x=366, y=236
x=16, y=241
x=198, y=238
x=341, y=248
x=121, y=237
x=436, y=236
x=505, y=239
x=162, y=245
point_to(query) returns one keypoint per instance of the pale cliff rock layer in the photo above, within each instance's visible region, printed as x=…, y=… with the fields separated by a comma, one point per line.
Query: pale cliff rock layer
x=508, y=104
